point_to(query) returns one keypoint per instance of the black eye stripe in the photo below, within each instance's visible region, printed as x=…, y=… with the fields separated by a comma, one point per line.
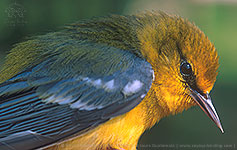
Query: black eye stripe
x=187, y=73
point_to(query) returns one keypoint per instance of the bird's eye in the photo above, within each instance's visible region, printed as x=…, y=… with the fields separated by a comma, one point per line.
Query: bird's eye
x=185, y=69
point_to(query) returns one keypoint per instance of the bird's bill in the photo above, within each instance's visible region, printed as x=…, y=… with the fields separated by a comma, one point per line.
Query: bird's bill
x=206, y=105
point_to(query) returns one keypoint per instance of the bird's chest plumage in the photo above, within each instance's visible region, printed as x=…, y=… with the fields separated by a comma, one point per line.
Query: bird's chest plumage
x=122, y=132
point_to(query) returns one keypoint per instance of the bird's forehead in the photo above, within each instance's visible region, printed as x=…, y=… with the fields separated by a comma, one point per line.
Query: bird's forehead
x=166, y=41
x=202, y=55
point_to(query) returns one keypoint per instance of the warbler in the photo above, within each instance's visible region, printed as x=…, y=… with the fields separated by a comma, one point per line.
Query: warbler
x=98, y=84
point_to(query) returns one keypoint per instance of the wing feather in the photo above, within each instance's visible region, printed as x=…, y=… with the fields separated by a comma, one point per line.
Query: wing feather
x=39, y=107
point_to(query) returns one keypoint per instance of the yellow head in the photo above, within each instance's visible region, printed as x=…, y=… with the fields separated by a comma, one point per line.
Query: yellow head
x=185, y=63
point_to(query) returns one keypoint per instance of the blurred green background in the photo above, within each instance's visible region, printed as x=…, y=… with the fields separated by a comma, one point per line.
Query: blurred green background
x=217, y=18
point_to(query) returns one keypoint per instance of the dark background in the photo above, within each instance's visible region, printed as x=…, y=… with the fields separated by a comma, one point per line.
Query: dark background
x=191, y=129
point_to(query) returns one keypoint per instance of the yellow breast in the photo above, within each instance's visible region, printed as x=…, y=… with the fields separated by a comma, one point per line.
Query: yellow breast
x=122, y=132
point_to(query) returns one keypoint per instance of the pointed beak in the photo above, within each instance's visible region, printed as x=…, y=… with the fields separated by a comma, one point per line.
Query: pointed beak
x=204, y=101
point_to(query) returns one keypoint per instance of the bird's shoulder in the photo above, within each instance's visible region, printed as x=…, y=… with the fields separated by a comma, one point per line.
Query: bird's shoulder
x=66, y=86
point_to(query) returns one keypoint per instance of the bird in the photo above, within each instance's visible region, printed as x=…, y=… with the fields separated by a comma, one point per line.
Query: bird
x=99, y=83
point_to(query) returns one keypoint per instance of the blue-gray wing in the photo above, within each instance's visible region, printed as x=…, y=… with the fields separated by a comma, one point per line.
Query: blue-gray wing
x=39, y=106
